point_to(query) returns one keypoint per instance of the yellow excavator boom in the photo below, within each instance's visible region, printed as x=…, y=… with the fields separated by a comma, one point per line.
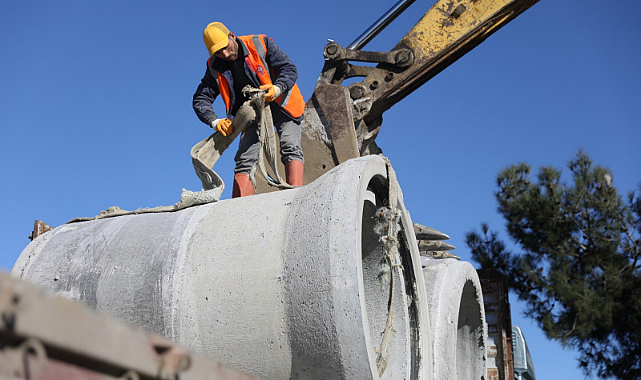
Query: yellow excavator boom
x=341, y=122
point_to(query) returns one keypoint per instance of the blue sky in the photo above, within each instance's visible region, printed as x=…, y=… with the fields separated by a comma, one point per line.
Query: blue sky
x=95, y=108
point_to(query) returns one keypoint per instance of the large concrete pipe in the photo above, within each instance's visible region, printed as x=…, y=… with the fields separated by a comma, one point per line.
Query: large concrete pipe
x=284, y=285
x=457, y=319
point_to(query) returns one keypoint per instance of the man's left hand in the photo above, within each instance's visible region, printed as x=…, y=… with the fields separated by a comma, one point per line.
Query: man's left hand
x=272, y=92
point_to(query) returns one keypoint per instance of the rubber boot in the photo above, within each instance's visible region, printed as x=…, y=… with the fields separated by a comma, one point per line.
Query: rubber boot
x=243, y=186
x=294, y=172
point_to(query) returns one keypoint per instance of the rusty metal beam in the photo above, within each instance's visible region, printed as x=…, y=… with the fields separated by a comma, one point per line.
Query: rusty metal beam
x=39, y=228
x=500, y=364
x=44, y=336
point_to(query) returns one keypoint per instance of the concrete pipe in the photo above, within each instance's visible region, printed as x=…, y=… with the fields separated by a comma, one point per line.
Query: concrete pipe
x=284, y=285
x=457, y=319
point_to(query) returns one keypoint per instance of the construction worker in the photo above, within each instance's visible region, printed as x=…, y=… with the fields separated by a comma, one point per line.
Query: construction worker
x=256, y=60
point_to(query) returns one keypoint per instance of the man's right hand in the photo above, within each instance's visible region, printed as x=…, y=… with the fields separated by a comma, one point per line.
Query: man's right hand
x=223, y=126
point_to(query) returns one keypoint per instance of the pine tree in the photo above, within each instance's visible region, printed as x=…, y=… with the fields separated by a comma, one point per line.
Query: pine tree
x=578, y=268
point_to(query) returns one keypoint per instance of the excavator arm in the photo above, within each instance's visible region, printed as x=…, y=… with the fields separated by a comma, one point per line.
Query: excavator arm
x=445, y=33
x=342, y=122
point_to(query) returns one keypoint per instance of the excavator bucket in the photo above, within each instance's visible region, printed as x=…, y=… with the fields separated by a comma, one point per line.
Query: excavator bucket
x=329, y=136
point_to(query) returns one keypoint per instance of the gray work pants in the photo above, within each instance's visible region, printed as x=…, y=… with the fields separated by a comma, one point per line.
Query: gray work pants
x=288, y=133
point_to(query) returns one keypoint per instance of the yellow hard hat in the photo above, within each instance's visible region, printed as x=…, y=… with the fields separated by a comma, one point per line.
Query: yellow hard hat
x=215, y=36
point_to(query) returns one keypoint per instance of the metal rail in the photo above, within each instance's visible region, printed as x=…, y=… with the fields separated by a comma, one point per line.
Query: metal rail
x=380, y=24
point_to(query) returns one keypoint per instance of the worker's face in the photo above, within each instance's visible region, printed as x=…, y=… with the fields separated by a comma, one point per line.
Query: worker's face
x=229, y=53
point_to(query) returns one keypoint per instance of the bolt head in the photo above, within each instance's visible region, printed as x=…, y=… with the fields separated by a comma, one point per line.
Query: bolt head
x=356, y=92
x=331, y=49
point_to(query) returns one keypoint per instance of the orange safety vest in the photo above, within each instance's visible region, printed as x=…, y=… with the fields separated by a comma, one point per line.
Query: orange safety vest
x=291, y=101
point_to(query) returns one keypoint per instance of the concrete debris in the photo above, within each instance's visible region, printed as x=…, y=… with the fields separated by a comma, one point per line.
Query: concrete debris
x=187, y=199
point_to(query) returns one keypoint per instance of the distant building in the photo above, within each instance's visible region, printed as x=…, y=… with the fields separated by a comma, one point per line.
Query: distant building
x=523, y=367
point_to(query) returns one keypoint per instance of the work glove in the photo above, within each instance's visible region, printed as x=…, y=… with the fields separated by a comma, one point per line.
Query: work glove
x=272, y=92
x=223, y=126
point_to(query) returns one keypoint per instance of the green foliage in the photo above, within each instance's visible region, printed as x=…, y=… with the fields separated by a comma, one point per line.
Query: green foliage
x=578, y=271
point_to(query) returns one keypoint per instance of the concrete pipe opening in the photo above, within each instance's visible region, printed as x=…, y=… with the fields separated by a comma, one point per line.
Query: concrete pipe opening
x=457, y=319
x=470, y=347
x=389, y=286
x=283, y=285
